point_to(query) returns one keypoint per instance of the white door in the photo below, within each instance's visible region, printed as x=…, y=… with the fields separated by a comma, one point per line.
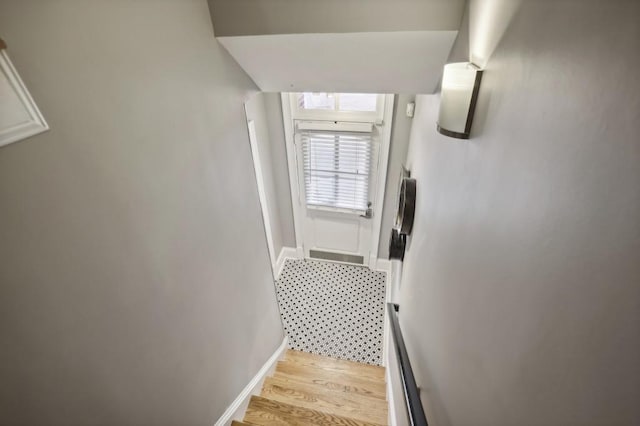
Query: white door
x=339, y=177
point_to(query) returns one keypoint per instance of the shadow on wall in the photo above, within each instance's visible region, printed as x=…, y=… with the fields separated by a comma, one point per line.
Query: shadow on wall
x=481, y=110
x=488, y=21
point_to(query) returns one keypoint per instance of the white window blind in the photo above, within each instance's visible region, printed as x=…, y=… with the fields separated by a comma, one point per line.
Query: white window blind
x=336, y=168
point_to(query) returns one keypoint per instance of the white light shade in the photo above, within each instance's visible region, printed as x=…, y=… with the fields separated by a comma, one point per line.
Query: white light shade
x=460, y=84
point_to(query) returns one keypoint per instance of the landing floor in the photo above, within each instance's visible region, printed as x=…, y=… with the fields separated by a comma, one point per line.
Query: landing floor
x=333, y=309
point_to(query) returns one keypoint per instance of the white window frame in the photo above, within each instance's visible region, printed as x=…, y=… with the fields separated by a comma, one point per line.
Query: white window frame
x=374, y=117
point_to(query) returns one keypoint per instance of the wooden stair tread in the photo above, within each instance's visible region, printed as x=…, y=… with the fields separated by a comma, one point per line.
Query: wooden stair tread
x=331, y=401
x=333, y=385
x=375, y=372
x=321, y=386
x=237, y=423
x=267, y=412
x=312, y=373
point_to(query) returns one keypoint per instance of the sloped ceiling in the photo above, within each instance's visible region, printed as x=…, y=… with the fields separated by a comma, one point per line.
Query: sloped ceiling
x=262, y=17
x=382, y=46
x=378, y=62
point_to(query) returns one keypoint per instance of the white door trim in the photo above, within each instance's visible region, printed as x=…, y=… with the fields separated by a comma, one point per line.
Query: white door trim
x=383, y=161
x=294, y=176
x=292, y=163
x=262, y=194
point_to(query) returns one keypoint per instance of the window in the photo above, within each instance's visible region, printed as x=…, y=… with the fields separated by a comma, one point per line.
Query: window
x=337, y=147
x=354, y=107
x=336, y=168
x=365, y=102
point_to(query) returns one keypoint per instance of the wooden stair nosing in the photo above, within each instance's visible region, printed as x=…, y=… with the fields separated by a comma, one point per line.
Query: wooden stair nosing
x=310, y=372
x=317, y=369
x=335, y=385
x=351, y=398
x=266, y=412
x=374, y=372
x=327, y=402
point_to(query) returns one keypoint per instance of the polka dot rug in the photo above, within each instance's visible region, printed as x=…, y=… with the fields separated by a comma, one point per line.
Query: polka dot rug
x=333, y=309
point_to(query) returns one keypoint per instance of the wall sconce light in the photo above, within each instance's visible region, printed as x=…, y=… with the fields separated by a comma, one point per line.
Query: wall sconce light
x=460, y=85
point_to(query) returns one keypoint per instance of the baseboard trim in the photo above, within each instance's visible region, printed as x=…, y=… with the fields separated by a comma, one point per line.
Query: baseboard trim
x=384, y=265
x=390, y=397
x=385, y=324
x=285, y=253
x=389, y=356
x=236, y=410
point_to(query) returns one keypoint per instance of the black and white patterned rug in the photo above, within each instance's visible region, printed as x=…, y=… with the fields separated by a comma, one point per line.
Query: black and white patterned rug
x=333, y=309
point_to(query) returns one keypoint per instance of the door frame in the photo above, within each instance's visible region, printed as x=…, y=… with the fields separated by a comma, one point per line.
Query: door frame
x=295, y=179
x=262, y=194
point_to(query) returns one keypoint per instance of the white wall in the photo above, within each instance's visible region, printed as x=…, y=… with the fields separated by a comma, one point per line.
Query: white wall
x=397, y=155
x=360, y=62
x=256, y=111
x=135, y=285
x=273, y=106
x=266, y=110
x=520, y=299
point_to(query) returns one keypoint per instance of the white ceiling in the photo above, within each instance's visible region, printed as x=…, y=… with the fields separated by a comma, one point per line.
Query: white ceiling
x=372, y=62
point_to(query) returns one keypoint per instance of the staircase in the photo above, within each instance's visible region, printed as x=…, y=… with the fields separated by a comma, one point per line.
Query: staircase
x=309, y=389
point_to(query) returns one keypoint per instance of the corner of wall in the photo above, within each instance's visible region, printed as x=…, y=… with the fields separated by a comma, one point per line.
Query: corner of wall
x=236, y=410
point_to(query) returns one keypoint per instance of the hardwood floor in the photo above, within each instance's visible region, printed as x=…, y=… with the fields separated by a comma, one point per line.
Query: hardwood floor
x=309, y=389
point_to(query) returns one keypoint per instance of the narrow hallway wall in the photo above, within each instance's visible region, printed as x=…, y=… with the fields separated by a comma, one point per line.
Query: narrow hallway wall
x=520, y=300
x=257, y=111
x=397, y=154
x=280, y=167
x=135, y=285
x=253, y=17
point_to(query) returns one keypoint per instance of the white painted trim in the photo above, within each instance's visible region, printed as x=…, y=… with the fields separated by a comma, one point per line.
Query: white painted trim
x=285, y=253
x=396, y=279
x=391, y=293
x=236, y=410
x=390, y=398
x=386, y=336
x=383, y=158
x=262, y=194
x=382, y=265
x=336, y=210
x=292, y=165
x=36, y=122
x=386, y=326
x=393, y=275
x=336, y=126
